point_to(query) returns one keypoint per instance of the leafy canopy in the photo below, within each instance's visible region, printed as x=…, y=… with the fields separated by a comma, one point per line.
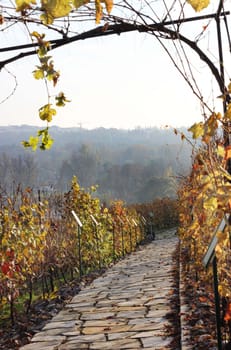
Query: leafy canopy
x=52, y=9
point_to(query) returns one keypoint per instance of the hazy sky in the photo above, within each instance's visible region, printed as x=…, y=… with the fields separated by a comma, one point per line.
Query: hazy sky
x=121, y=81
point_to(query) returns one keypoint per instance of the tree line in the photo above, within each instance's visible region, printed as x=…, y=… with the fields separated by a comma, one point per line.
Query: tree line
x=135, y=166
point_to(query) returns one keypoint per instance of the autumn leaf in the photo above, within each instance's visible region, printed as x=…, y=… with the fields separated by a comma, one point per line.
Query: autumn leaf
x=61, y=100
x=24, y=4
x=199, y=5
x=99, y=11
x=32, y=143
x=38, y=74
x=5, y=267
x=223, y=237
x=27, y=252
x=1, y=19
x=211, y=125
x=109, y=5
x=203, y=299
x=46, y=18
x=56, y=8
x=47, y=141
x=52, y=74
x=182, y=136
x=197, y=130
x=47, y=113
x=228, y=112
x=79, y=3
x=223, y=290
x=47, y=144
x=220, y=151
x=227, y=316
x=210, y=203
x=37, y=35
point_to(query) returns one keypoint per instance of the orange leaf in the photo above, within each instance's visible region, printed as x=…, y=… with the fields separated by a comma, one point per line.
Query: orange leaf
x=202, y=299
x=227, y=316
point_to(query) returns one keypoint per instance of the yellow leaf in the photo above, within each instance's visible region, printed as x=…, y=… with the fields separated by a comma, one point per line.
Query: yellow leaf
x=49, y=144
x=27, y=252
x=210, y=203
x=99, y=11
x=223, y=290
x=109, y=5
x=223, y=237
x=228, y=112
x=47, y=18
x=5, y=242
x=194, y=226
x=57, y=8
x=33, y=142
x=197, y=130
x=36, y=35
x=199, y=5
x=46, y=112
x=206, y=180
x=220, y=151
x=211, y=125
x=24, y=4
x=79, y=3
x=38, y=74
x=46, y=143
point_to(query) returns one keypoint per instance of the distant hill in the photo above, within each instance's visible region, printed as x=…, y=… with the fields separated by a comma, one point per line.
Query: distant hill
x=154, y=136
x=133, y=165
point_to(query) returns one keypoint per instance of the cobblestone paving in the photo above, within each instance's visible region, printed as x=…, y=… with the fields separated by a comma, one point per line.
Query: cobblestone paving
x=125, y=308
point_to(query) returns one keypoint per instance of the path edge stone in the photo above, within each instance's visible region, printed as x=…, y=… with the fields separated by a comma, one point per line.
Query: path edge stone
x=184, y=308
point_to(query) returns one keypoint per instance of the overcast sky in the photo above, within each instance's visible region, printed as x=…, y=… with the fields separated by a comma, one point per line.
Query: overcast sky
x=124, y=81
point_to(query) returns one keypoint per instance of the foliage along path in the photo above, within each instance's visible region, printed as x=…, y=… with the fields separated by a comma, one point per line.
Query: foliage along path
x=129, y=307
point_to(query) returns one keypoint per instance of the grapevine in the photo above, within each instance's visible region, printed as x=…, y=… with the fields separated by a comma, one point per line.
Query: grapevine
x=204, y=200
x=39, y=243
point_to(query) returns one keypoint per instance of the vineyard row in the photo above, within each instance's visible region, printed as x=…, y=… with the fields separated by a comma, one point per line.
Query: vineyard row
x=42, y=245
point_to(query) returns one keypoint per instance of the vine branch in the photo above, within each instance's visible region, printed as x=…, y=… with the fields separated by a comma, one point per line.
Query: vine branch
x=121, y=28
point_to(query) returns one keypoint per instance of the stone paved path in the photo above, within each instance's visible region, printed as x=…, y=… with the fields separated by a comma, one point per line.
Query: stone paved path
x=125, y=308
